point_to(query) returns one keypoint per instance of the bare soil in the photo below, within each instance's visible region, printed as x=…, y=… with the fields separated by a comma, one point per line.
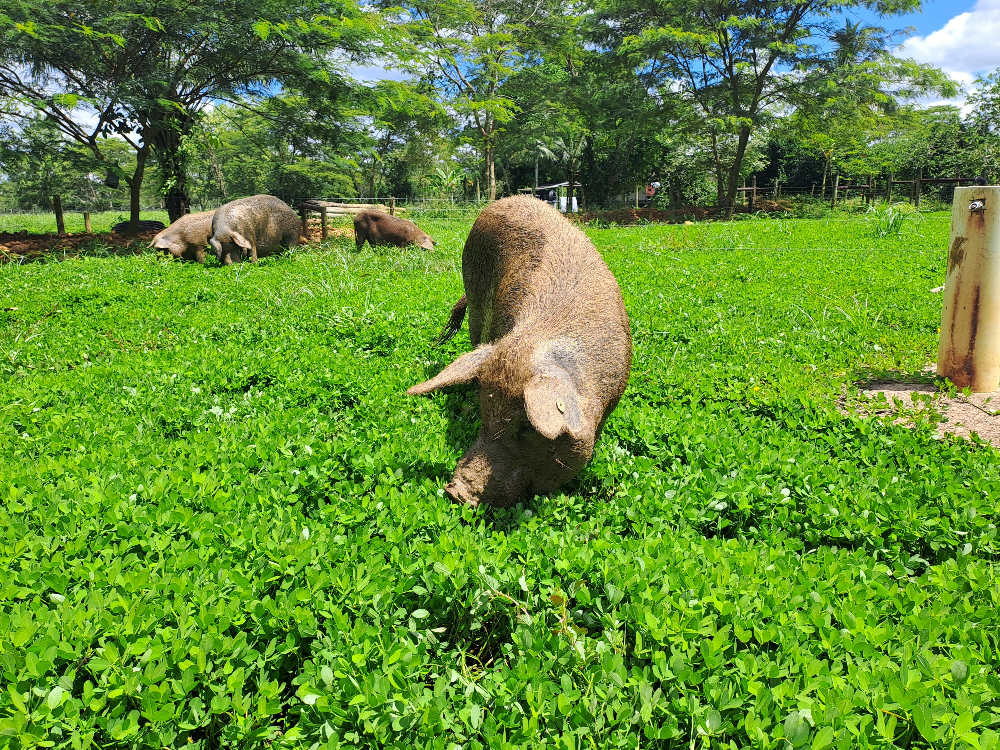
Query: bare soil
x=962, y=416
x=21, y=247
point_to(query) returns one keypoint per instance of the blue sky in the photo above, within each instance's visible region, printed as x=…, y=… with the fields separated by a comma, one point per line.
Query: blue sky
x=935, y=15
x=959, y=36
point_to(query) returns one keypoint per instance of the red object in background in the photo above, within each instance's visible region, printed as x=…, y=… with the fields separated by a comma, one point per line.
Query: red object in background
x=650, y=191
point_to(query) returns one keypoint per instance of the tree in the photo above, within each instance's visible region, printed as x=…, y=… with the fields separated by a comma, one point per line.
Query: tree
x=37, y=162
x=144, y=70
x=469, y=49
x=739, y=61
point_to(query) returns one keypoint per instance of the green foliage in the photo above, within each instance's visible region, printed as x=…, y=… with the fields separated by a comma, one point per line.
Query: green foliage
x=224, y=524
x=887, y=221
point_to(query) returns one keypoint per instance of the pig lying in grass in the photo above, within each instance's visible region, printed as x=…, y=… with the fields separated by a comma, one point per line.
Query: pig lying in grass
x=553, y=351
x=379, y=228
x=187, y=237
x=259, y=225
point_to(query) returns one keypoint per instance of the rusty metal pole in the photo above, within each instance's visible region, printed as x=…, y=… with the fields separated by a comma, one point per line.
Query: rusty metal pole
x=969, y=347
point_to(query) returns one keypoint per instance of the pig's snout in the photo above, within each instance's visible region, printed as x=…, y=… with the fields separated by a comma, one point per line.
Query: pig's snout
x=461, y=493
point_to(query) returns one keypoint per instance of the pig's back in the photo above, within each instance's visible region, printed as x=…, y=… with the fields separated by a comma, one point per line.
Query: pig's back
x=525, y=265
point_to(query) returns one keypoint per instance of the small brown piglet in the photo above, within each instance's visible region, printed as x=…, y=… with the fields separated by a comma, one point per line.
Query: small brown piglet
x=553, y=351
x=187, y=237
x=379, y=228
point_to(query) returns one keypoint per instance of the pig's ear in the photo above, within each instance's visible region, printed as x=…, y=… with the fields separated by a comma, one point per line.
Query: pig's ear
x=465, y=369
x=553, y=405
x=240, y=240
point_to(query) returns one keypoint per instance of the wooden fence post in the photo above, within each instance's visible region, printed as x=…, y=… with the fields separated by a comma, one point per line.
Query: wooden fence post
x=392, y=207
x=60, y=223
x=304, y=213
x=322, y=222
x=888, y=190
x=776, y=188
x=916, y=187
x=86, y=223
x=637, y=196
x=753, y=195
x=836, y=185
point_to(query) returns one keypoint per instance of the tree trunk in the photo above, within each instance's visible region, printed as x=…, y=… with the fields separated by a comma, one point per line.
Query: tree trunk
x=734, y=171
x=826, y=168
x=491, y=174
x=170, y=130
x=135, y=191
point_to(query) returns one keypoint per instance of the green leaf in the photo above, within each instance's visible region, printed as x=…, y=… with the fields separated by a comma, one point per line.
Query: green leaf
x=923, y=720
x=262, y=29
x=55, y=697
x=823, y=739
x=420, y=614
x=964, y=723
x=959, y=670
x=713, y=722
x=796, y=729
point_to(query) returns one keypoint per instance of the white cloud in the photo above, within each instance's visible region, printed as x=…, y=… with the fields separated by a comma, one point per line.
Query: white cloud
x=966, y=45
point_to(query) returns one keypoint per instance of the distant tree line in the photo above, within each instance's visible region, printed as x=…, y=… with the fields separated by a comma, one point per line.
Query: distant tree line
x=194, y=102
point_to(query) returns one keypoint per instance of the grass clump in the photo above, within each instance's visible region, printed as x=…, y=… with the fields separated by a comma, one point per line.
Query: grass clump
x=224, y=523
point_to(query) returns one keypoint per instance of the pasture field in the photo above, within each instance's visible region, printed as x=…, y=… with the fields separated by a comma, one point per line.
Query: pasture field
x=44, y=223
x=223, y=522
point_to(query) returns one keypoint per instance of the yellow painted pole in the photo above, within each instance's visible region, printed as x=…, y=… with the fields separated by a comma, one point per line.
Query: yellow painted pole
x=969, y=347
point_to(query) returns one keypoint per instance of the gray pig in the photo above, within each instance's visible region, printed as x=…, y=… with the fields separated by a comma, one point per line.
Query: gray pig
x=379, y=228
x=261, y=224
x=187, y=237
x=553, y=351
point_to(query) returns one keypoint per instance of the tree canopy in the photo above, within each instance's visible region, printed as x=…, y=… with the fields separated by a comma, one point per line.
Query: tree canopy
x=227, y=97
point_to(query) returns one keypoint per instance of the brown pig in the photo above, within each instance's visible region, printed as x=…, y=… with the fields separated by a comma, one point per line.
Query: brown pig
x=379, y=228
x=251, y=227
x=553, y=351
x=187, y=237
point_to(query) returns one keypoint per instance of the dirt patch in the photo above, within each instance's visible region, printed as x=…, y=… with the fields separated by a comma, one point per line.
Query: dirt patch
x=627, y=216
x=316, y=232
x=909, y=403
x=21, y=247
